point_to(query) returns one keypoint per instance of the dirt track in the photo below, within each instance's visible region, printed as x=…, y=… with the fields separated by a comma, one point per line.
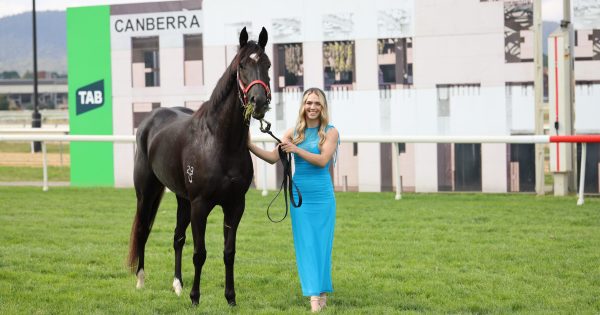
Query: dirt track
x=33, y=159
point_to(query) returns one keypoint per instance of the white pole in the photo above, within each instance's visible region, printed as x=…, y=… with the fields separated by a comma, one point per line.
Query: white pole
x=396, y=152
x=582, y=174
x=538, y=86
x=264, y=181
x=45, y=167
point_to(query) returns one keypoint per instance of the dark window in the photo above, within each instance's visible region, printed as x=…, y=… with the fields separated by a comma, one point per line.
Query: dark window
x=467, y=166
x=338, y=65
x=192, y=47
x=289, y=67
x=522, y=167
x=401, y=148
x=592, y=167
x=146, y=63
x=193, y=67
x=394, y=56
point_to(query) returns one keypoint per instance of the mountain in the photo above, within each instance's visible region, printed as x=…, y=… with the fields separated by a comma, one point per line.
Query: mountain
x=16, y=38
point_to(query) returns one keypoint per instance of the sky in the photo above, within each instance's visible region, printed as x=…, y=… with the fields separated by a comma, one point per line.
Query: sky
x=551, y=9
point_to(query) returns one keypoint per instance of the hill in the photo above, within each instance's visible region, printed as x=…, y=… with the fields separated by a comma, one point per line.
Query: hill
x=16, y=38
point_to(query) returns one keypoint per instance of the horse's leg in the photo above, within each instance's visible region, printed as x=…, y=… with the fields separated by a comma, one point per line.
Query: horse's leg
x=199, y=213
x=183, y=220
x=149, y=193
x=232, y=215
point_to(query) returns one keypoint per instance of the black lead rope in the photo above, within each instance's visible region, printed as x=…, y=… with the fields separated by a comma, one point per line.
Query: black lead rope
x=287, y=183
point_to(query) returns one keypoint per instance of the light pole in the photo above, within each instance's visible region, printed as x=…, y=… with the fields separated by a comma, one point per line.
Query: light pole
x=36, y=117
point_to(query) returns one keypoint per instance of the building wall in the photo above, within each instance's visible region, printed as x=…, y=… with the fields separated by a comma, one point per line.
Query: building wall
x=457, y=47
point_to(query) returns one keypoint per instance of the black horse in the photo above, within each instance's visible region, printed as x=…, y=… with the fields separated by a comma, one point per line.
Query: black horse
x=203, y=158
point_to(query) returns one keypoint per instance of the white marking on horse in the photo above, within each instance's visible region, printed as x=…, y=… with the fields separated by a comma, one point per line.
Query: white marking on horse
x=190, y=172
x=177, y=287
x=140, y=279
x=255, y=57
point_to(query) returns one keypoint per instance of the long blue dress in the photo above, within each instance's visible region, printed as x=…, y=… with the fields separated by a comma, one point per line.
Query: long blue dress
x=313, y=222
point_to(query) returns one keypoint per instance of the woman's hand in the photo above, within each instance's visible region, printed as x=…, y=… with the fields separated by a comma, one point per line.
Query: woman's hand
x=289, y=147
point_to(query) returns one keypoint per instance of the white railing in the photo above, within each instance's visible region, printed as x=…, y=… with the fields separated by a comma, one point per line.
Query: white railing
x=584, y=139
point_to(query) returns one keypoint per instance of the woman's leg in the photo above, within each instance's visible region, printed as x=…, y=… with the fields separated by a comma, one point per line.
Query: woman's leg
x=315, y=304
x=323, y=300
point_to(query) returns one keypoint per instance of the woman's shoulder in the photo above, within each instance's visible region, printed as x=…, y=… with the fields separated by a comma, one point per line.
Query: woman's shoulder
x=331, y=130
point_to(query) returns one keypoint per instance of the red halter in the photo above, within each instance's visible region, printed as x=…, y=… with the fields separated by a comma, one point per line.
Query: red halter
x=244, y=90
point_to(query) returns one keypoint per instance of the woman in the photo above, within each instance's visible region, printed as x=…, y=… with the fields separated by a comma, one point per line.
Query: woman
x=313, y=143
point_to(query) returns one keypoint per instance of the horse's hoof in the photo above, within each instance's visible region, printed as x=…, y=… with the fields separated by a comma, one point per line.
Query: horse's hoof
x=140, y=279
x=177, y=287
x=195, y=297
x=231, y=303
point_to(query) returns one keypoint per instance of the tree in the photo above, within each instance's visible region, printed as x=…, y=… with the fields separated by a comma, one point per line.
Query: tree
x=28, y=75
x=9, y=75
x=3, y=102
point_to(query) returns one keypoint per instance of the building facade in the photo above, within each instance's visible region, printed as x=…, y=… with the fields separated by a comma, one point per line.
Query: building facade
x=388, y=67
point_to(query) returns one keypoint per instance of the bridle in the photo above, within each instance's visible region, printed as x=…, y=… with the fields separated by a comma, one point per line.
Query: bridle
x=243, y=90
x=287, y=183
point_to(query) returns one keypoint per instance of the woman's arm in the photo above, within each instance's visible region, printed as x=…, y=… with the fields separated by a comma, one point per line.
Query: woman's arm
x=269, y=156
x=327, y=149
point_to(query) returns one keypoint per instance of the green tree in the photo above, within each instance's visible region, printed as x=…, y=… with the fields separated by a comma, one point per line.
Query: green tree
x=9, y=75
x=3, y=102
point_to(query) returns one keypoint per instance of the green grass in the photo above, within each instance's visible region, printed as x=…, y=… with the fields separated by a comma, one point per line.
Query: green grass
x=63, y=252
x=24, y=173
x=25, y=147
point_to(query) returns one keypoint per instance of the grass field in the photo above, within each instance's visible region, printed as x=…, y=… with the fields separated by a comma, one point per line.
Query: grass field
x=27, y=174
x=25, y=147
x=63, y=252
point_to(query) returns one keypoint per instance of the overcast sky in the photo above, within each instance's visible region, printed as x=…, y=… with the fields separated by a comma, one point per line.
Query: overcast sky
x=551, y=9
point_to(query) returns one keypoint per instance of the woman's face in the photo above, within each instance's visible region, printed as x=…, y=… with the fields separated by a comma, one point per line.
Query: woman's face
x=312, y=107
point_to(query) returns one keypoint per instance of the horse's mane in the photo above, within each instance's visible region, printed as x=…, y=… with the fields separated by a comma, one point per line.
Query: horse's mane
x=227, y=82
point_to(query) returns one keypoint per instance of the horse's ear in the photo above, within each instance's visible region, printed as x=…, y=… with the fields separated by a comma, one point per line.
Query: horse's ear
x=263, y=38
x=243, y=37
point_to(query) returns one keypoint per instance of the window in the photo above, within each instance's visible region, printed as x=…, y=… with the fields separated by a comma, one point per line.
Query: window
x=288, y=65
x=141, y=111
x=401, y=147
x=394, y=57
x=338, y=65
x=518, y=36
x=145, y=66
x=193, y=60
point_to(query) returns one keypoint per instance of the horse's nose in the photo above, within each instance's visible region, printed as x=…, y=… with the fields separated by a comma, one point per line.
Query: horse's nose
x=258, y=100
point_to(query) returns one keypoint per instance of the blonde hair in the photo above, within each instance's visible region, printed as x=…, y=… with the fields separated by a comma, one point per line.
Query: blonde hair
x=301, y=125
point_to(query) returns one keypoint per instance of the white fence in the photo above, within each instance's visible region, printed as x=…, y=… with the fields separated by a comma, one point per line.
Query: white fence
x=34, y=135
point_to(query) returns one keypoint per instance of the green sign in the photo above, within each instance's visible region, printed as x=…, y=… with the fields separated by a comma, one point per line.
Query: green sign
x=90, y=95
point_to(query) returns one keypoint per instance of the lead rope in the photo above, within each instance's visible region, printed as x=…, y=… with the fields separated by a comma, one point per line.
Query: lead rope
x=287, y=183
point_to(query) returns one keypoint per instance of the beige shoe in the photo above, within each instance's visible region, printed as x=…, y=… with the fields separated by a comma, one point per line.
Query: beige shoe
x=323, y=300
x=315, y=304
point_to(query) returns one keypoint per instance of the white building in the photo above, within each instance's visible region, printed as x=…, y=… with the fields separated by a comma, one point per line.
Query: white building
x=388, y=66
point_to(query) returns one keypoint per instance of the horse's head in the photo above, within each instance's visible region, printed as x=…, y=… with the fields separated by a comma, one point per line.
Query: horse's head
x=253, y=74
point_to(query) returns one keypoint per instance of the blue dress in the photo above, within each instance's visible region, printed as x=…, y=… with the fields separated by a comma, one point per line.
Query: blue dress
x=313, y=222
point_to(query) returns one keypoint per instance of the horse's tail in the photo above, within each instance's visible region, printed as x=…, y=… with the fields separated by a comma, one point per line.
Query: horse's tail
x=149, y=192
x=141, y=227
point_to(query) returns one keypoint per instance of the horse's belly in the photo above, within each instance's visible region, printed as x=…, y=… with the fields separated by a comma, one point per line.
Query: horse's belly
x=169, y=174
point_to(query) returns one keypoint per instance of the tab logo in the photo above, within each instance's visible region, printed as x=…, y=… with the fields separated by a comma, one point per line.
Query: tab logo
x=90, y=97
